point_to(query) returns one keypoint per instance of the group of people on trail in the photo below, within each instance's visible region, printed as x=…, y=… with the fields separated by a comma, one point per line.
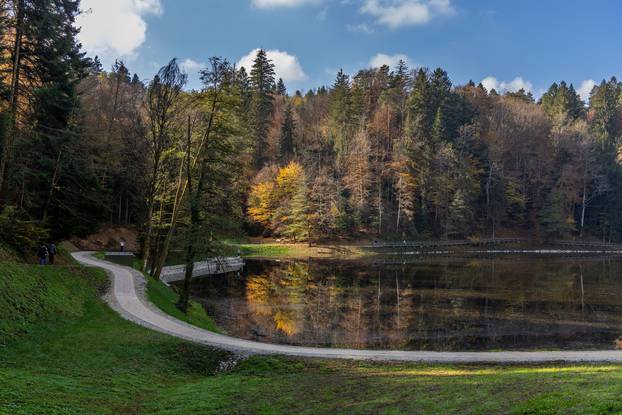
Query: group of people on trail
x=46, y=254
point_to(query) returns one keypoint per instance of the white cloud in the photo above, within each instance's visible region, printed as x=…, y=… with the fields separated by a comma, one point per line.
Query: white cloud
x=398, y=13
x=191, y=66
x=147, y=6
x=360, y=28
x=390, y=60
x=490, y=83
x=286, y=66
x=586, y=89
x=517, y=84
x=514, y=85
x=115, y=28
x=268, y=4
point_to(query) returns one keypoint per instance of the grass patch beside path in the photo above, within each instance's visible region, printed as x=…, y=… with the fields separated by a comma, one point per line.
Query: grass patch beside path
x=297, y=251
x=166, y=299
x=76, y=356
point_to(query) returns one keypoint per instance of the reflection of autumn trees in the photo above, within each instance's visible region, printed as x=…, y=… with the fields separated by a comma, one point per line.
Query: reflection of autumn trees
x=277, y=295
x=455, y=305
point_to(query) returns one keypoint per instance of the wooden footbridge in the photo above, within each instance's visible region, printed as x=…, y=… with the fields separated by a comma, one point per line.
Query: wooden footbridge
x=213, y=266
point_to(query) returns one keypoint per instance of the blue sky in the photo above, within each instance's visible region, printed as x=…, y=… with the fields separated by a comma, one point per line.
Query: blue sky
x=509, y=44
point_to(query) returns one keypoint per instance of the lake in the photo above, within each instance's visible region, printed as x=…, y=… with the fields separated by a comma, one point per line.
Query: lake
x=445, y=304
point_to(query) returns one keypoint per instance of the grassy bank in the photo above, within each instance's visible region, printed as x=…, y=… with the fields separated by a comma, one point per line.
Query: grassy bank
x=297, y=251
x=166, y=299
x=65, y=352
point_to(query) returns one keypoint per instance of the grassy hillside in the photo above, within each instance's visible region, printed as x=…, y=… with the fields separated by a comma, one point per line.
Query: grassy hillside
x=31, y=294
x=65, y=352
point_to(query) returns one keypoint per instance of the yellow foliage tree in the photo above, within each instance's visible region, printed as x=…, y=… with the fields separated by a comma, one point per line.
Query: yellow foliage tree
x=261, y=203
x=280, y=205
x=288, y=180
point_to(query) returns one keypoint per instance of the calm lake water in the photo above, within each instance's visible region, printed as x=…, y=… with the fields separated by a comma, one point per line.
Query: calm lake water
x=517, y=303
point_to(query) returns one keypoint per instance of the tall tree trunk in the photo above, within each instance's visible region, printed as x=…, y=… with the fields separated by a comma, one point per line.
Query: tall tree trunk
x=9, y=143
x=380, y=204
x=195, y=223
x=127, y=211
x=181, y=189
x=52, y=186
x=149, y=219
x=583, y=201
x=399, y=205
x=120, y=207
x=179, y=194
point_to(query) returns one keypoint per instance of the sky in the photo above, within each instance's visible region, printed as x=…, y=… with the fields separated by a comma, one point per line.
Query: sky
x=505, y=44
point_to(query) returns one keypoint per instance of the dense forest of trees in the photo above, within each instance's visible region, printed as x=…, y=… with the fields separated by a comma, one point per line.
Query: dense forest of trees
x=385, y=153
x=401, y=153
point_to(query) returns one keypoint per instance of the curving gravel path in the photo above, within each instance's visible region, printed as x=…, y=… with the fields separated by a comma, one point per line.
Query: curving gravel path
x=127, y=296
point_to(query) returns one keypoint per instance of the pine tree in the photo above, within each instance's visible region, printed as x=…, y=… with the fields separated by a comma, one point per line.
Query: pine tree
x=576, y=108
x=440, y=88
x=561, y=104
x=45, y=66
x=418, y=147
x=439, y=132
x=521, y=95
x=280, y=88
x=339, y=113
x=420, y=107
x=604, y=106
x=52, y=159
x=262, y=85
x=288, y=131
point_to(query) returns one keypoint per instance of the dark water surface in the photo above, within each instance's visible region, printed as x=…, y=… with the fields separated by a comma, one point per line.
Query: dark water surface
x=515, y=303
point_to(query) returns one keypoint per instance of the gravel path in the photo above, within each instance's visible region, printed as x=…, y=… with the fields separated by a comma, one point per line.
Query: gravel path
x=127, y=297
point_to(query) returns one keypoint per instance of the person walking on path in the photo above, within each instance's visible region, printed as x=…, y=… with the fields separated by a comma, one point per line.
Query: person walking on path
x=122, y=245
x=51, y=252
x=43, y=254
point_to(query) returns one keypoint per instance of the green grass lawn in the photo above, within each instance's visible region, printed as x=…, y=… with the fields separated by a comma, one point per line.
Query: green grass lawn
x=65, y=352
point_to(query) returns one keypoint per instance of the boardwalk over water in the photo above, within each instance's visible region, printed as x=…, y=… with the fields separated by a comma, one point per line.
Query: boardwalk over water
x=214, y=266
x=444, y=244
x=423, y=245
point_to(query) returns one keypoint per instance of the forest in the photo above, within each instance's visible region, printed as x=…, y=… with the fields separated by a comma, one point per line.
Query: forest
x=384, y=153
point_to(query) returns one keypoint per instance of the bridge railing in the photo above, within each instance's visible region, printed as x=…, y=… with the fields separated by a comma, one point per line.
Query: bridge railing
x=208, y=267
x=441, y=244
x=488, y=242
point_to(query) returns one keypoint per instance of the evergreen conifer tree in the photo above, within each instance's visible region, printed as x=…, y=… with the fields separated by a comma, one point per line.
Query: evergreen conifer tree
x=288, y=130
x=262, y=104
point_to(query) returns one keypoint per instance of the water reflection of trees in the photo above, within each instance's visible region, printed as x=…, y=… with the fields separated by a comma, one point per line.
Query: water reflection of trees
x=456, y=305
